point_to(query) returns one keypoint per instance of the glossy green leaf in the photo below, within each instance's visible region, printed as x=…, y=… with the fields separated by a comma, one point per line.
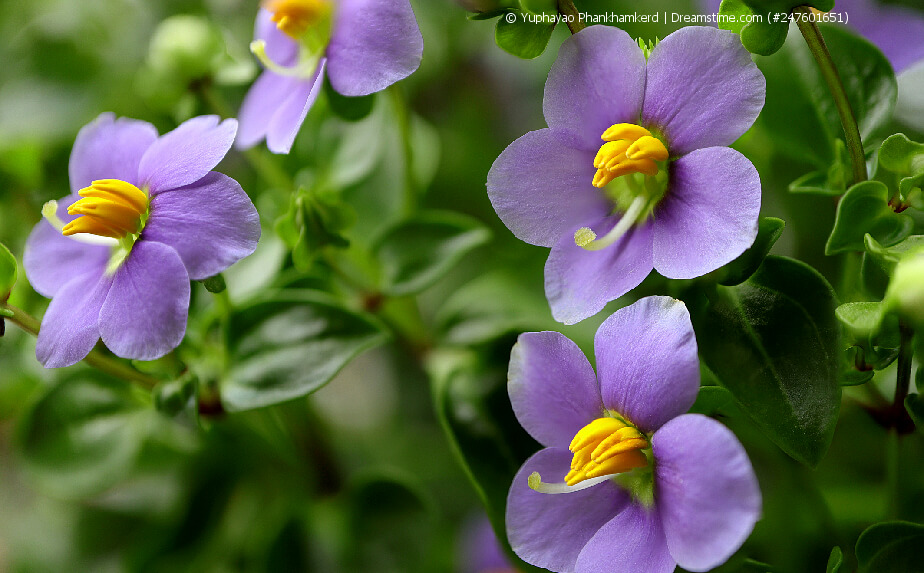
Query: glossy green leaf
x=290, y=346
x=82, y=436
x=473, y=408
x=887, y=257
x=800, y=112
x=8, y=272
x=516, y=35
x=773, y=341
x=419, y=251
x=736, y=8
x=835, y=561
x=865, y=209
x=736, y=272
x=901, y=155
x=891, y=546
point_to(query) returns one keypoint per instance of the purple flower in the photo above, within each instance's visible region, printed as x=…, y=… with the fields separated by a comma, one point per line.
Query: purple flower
x=146, y=215
x=364, y=46
x=646, y=487
x=480, y=551
x=635, y=153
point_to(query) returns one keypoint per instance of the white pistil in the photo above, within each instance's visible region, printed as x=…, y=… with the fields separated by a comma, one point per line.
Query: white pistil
x=50, y=212
x=536, y=483
x=587, y=239
x=305, y=68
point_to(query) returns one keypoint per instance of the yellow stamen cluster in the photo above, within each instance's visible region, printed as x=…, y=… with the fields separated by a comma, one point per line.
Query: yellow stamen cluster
x=603, y=447
x=629, y=148
x=109, y=208
x=295, y=17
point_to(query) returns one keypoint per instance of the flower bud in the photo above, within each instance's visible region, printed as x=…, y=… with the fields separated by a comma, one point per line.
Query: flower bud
x=188, y=46
x=905, y=295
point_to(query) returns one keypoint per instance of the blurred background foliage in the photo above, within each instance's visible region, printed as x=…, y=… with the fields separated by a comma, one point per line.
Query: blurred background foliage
x=391, y=247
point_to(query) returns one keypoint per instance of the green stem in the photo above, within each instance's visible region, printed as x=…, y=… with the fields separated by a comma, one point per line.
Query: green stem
x=95, y=358
x=903, y=376
x=567, y=8
x=902, y=384
x=407, y=147
x=816, y=45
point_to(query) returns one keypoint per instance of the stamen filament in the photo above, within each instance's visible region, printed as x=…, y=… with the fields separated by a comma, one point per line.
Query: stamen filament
x=305, y=68
x=587, y=239
x=50, y=213
x=536, y=484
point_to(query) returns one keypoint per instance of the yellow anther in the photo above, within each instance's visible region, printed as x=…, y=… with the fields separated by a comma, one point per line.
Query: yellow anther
x=647, y=147
x=295, y=17
x=628, y=149
x=628, y=131
x=603, y=447
x=109, y=208
x=584, y=236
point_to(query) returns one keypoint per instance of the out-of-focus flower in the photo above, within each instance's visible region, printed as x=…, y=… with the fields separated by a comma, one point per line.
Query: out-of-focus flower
x=632, y=172
x=480, y=551
x=147, y=214
x=905, y=294
x=363, y=46
x=643, y=486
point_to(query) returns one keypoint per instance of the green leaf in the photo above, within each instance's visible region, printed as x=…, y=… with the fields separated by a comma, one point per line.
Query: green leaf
x=914, y=404
x=800, y=113
x=82, y=436
x=539, y=6
x=348, y=108
x=901, y=155
x=835, y=561
x=891, y=546
x=888, y=257
x=8, y=272
x=712, y=401
x=860, y=319
x=830, y=182
x=516, y=35
x=419, y=251
x=865, y=209
x=290, y=346
x=764, y=38
x=491, y=306
x=471, y=403
x=736, y=272
x=773, y=341
x=736, y=8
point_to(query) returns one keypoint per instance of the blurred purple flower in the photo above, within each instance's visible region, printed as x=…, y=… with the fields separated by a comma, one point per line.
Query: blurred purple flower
x=364, y=46
x=146, y=215
x=647, y=487
x=663, y=189
x=480, y=550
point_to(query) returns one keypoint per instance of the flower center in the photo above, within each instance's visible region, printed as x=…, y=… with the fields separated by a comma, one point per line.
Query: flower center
x=630, y=170
x=603, y=447
x=109, y=208
x=296, y=17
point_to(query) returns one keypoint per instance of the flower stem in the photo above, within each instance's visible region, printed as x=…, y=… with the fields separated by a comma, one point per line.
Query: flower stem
x=95, y=358
x=404, y=126
x=903, y=376
x=816, y=45
x=567, y=8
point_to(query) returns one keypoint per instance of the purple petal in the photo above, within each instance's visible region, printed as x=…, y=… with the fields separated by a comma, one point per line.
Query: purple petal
x=144, y=316
x=647, y=363
x=631, y=542
x=552, y=388
x=374, y=44
x=707, y=494
x=288, y=119
x=598, y=80
x=280, y=48
x=52, y=260
x=709, y=215
x=109, y=148
x=579, y=283
x=70, y=327
x=703, y=89
x=211, y=224
x=261, y=103
x=186, y=154
x=550, y=530
x=541, y=187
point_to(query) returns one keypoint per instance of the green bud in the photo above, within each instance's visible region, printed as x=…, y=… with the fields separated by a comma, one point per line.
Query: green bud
x=188, y=46
x=905, y=295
